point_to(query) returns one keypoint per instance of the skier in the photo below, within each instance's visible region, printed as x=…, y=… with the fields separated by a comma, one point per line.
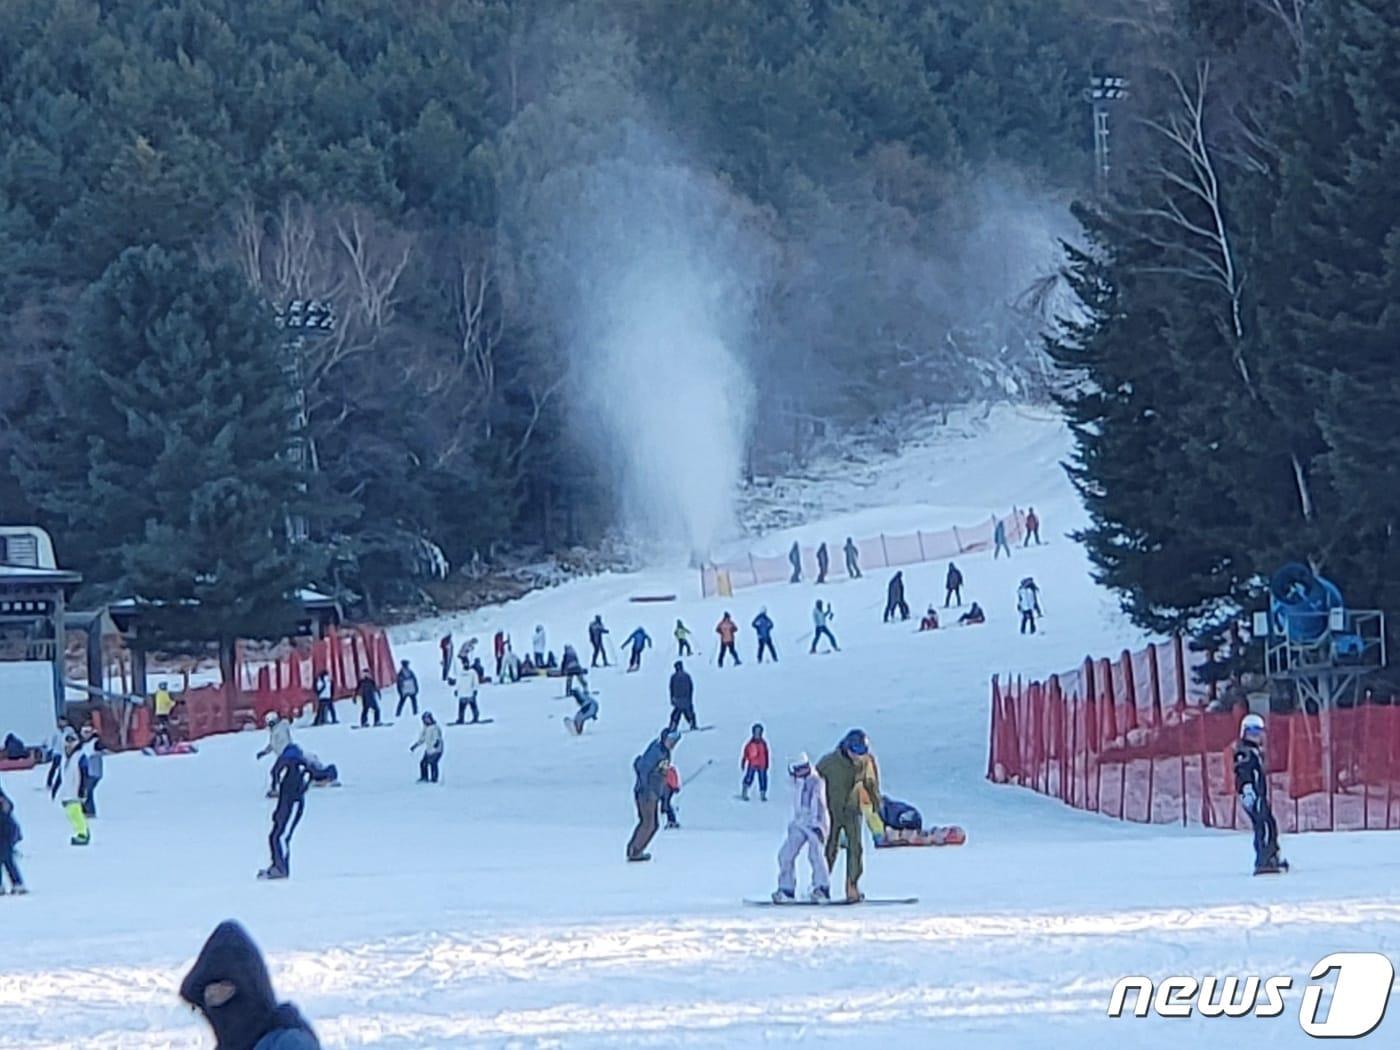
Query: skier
x=754, y=763
x=290, y=778
x=407, y=684
x=570, y=667
x=430, y=740
x=539, y=646
x=795, y=560
x=1252, y=783
x=930, y=620
x=1028, y=604
x=163, y=704
x=1032, y=528
x=637, y=641
x=230, y=986
x=821, y=624
x=90, y=770
x=727, y=630
x=596, y=631
x=852, y=559
x=682, y=698
x=369, y=698
x=73, y=803
x=464, y=688
x=973, y=616
x=763, y=627
x=823, y=562
x=954, y=585
x=848, y=771
x=279, y=738
x=587, y=706
x=894, y=598
x=445, y=648
x=325, y=700
x=56, y=746
x=999, y=539
x=10, y=836
x=498, y=649
x=650, y=769
x=810, y=827
x=683, y=640
x=670, y=790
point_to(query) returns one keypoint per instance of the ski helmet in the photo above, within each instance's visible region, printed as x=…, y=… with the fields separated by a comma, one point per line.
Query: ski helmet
x=1251, y=726
x=270, y=719
x=855, y=742
x=670, y=737
x=800, y=766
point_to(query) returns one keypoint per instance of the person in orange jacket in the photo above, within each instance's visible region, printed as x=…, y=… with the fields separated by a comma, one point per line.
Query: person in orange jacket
x=754, y=763
x=727, y=630
x=672, y=788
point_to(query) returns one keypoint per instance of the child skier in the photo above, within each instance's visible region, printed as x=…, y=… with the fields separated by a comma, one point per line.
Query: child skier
x=1252, y=783
x=636, y=641
x=821, y=621
x=430, y=740
x=10, y=837
x=279, y=738
x=670, y=791
x=727, y=630
x=464, y=688
x=810, y=827
x=290, y=777
x=587, y=707
x=683, y=640
x=763, y=627
x=754, y=763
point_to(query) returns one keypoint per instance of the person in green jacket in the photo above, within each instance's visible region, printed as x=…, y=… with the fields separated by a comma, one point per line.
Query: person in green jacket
x=683, y=640
x=846, y=771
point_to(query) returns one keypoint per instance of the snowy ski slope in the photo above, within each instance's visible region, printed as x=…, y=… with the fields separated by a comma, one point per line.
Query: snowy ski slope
x=495, y=909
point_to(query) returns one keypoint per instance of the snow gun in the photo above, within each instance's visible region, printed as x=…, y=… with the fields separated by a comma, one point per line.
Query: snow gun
x=1301, y=608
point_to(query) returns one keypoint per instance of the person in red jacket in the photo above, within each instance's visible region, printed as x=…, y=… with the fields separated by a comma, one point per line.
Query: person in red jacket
x=755, y=764
x=1032, y=528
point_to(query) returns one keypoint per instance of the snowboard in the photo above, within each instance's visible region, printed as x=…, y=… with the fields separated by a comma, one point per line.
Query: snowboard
x=174, y=749
x=381, y=725
x=569, y=725
x=1281, y=869
x=698, y=729
x=478, y=722
x=836, y=902
x=944, y=835
x=267, y=873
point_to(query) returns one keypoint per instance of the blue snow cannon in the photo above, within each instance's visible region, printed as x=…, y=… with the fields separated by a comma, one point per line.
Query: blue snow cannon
x=1301, y=602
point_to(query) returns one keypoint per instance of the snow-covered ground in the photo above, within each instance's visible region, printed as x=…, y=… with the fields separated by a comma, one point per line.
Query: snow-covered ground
x=496, y=909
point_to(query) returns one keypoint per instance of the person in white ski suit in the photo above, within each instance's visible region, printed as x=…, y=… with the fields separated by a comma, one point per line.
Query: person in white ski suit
x=279, y=735
x=1028, y=605
x=539, y=647
x=464, y=688
x=809, y=827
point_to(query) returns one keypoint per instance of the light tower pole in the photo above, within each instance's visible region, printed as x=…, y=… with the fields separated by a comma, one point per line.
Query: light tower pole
x=1102, y=91
x=299, y=318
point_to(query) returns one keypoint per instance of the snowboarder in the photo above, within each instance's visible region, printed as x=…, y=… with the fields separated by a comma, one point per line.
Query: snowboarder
x=445, y=648
x=430, y=740
x=930, y=620
x=954, y=585
x=407, y=684
x=821, y=625
x=823, y=562
x=999, y=539
x=464, y=689
x=230, y=986
x=974, y=615
x=671, y=789
x=56, y=746
x=325, y=700
x=73, y=802
x=763, y=627
x=1032, y=528
x=1252, y=784
x=279, y=738
x=682, y=698
x=467, y=653
x=754, y=763
x=727, y=630
x=795, y=560
x=894, y=598
x=810, y=827
x=650, y=770
x=683, y=640
x=571, y=667
x=369, y=698
x=90, y=770
x=596, y=631
x=1028, y=604
x=539, y=646
x=291, y=776
x=163, y=704
x=10, y=836
x=636, y=642
x=587, y=706
x=852, y=553
x=848, y=771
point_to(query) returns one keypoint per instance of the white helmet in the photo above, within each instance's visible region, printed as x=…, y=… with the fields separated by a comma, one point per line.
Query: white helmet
x=800, y=765
x=1251, y=725
x=270, y=719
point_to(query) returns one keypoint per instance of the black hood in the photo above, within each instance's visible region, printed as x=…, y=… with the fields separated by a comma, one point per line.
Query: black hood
x=230, y=955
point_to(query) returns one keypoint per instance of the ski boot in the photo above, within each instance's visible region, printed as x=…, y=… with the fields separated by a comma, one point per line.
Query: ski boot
x=784, y=897
x=79, y=840
x=853, y=894
x=272, y=873
x=821, y=895
x=638, y=858
x=763, y=796
x=672, y=825
x=744, y=794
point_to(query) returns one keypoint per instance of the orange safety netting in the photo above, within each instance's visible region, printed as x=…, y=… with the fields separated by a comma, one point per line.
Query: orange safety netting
x=1124, y=738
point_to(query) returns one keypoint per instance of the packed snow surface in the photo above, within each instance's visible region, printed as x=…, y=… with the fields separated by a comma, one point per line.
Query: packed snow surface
x=495, y=909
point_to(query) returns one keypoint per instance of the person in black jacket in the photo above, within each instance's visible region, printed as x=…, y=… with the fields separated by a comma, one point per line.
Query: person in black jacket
x=407, y=684
x=650, y=770
x=852, y=553
x=894, y=599
x=229, y=984
x=596, y=631
x=369, y=699
x=823, y=562
x=9, y=838
x=954, y=584
x=291, y=776
x=795, y=560
x=1252, y=784
x=682, y=698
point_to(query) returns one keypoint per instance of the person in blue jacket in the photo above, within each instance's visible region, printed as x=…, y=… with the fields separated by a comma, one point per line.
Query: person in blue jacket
x=229, y=984
x=637, y=641
x=763, y=626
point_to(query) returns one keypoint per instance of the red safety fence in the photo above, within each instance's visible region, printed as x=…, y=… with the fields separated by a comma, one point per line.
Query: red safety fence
x=878, y=552
x=1128, y=739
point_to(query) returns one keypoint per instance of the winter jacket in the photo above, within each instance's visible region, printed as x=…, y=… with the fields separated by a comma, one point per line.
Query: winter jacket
x=822, y=617
x=650, y=767
x=1032, y=522
x=795, y=556
x=682, y=633
x=845, y=776
x=764, y=626
x=999, y=533
x=809, y=807
x=251, y=1019
x=498, y=644
x=755, y=755
x=91, y=762
x=895, y=593
x=727, y=629
x=673, y=779
x=468, y=684
x=407, y=683
x=1026, y=599
x=430, y=739
x=682, y=688
x=323, y=688
x=10, y=834
x=279, y=735
x=851, y=550
x=1249, y=770
x=596, y=630
x=571, y=663
x=896, y=814
x=369, y=692
x=638, y=639
x=823, y=560
x=955, y=578
x=163, y=702
x=538, y=646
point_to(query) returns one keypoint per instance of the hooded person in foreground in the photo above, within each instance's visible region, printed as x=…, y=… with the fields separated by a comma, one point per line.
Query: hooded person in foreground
x=230, y=986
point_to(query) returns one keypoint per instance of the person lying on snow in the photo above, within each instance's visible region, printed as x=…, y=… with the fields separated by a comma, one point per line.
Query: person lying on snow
x=930, y=620
x=229, y=984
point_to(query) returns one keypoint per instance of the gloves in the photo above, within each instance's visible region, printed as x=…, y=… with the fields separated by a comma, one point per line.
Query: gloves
x=1248, y=797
